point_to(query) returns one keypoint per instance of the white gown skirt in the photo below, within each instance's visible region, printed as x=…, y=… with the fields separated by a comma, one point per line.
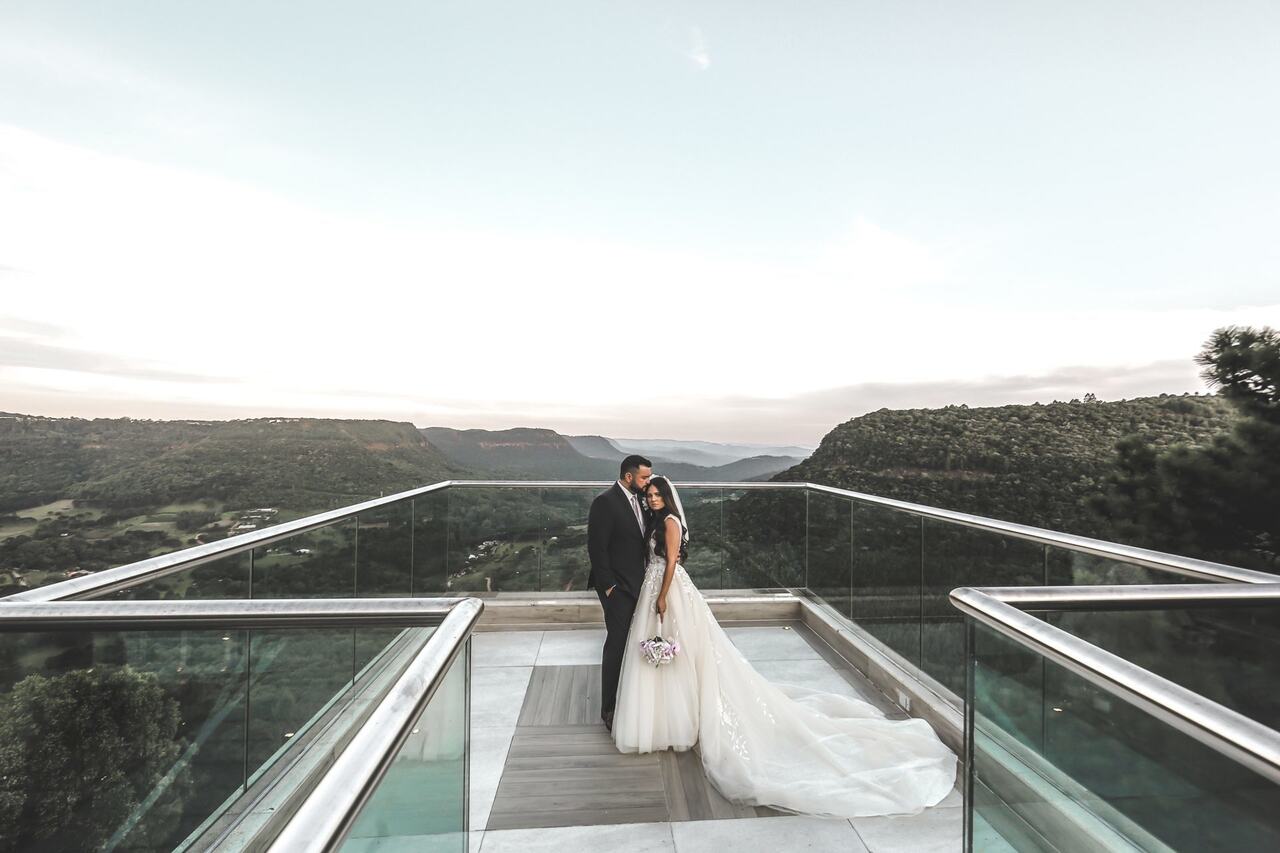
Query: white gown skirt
x=785, y=746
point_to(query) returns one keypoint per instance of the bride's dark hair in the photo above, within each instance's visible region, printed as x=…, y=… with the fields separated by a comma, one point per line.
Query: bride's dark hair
x=663, y=485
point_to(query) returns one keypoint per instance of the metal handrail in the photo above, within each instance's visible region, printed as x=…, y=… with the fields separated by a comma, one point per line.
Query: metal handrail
x=1144, y=557
x=154, y=567
x=1134, y=596
x=1223, y=730
x=196, y=614
x=331, y=808
x=1186, y=566
x=142, y=571
x=151, y=568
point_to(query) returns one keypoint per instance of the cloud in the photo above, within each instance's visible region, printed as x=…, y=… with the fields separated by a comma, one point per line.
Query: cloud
x=23, y=353
x=161, y=281
x=869, y=253
x=835, y=405
x=25, y=327
x=130, y=95
x=799, y=419
x=72, y=64
x=698, y=52
x=805, y=418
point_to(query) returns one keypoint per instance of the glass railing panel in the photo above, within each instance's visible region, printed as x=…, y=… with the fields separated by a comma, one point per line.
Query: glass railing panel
x=955, y=556
x=1228, y=654
x=1009, y=685
x=384, y=551
x=316, y=564
x=1073, y=568
x=764, y=536
x=887, y=577
x=430, y=544
x=227, y=577
x=565, y=562
x=294, y=677
x=706, y=561
x=829, y=557
x=421, y=803
x=1101, y=773
x=118, y=740
x=384, y=569
x=495, y=538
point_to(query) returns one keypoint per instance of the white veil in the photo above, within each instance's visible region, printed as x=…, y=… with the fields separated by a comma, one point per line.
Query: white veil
x=679, y=508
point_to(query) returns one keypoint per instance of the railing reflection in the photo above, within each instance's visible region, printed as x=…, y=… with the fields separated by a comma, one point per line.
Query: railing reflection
x=1123, y=717
x=134, y=725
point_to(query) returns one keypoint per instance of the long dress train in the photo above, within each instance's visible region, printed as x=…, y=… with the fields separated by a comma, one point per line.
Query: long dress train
x=785, y=746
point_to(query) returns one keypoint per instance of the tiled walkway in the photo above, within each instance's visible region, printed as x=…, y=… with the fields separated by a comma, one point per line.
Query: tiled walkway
x=514, y=723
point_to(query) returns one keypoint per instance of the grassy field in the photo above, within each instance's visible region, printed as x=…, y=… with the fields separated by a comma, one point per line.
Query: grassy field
x=16, y=527
x=39, y=513
x=162, y=519
x=165, y=518
x=28, y=519
x=88, y=524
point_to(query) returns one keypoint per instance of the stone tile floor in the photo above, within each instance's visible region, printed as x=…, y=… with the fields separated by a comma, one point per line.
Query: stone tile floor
x=503, y=665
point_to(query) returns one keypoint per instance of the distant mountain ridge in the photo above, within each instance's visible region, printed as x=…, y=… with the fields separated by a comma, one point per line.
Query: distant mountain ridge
x=296, y=462
x=305, y=462
x=705, y=453
x=595, y=446
x=520, y=453
x=531, y=453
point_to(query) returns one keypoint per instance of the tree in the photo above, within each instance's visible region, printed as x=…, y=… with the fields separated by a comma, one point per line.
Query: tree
x=1215, y=500
x=79, y=752
x=1245, y=364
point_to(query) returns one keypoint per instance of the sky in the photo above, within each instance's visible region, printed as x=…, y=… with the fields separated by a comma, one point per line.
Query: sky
x=726, y=221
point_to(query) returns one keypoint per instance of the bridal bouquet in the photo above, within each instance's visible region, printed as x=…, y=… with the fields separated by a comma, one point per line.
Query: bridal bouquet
x=658, y=651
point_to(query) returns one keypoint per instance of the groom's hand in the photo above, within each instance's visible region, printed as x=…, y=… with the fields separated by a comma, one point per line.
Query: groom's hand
x=608, y=592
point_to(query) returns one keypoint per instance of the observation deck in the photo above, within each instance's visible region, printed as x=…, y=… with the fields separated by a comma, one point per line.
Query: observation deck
x=421, y=672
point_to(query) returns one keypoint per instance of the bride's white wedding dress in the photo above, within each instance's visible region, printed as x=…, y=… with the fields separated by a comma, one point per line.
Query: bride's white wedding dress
x=784, y=746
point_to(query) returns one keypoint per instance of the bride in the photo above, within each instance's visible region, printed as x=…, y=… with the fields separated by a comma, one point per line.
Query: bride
x=783, y=746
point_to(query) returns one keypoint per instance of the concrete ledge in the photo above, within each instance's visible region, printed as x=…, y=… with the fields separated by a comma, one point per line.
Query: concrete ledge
x=926, y=699
x=567, y=611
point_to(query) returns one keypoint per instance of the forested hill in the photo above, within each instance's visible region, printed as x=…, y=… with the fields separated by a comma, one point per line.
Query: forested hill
x=296, y=462
x=1036, y=464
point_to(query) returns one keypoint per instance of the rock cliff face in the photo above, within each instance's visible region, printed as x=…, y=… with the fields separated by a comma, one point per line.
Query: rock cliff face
x=518, y=453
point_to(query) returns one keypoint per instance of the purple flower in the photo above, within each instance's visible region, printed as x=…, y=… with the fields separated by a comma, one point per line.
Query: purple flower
x=659, y=651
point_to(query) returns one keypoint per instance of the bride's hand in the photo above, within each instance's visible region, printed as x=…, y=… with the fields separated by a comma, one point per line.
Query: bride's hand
x=661, y=606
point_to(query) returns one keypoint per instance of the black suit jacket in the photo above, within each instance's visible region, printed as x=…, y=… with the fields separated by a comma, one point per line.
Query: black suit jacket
x=615, y=543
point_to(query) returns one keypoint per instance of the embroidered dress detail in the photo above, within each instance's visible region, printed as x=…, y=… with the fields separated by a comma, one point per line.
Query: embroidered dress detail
x=780, y=745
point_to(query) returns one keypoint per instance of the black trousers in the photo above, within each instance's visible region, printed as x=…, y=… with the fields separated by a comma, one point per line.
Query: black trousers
x=618, y=610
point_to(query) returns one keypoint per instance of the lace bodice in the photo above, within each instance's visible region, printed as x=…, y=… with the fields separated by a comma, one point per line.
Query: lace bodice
x=652, y=545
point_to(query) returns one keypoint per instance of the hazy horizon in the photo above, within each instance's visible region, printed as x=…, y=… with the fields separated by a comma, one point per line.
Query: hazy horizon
x=479, y=215
x=854, y=401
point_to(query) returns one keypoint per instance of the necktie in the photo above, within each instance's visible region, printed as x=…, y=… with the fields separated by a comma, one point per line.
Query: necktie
x=635, y=507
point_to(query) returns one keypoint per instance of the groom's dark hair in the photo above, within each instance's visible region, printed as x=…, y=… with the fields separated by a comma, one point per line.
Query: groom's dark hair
x=632, y=464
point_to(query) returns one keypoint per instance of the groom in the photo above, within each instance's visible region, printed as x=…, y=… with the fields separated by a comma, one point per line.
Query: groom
x=615, y=544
